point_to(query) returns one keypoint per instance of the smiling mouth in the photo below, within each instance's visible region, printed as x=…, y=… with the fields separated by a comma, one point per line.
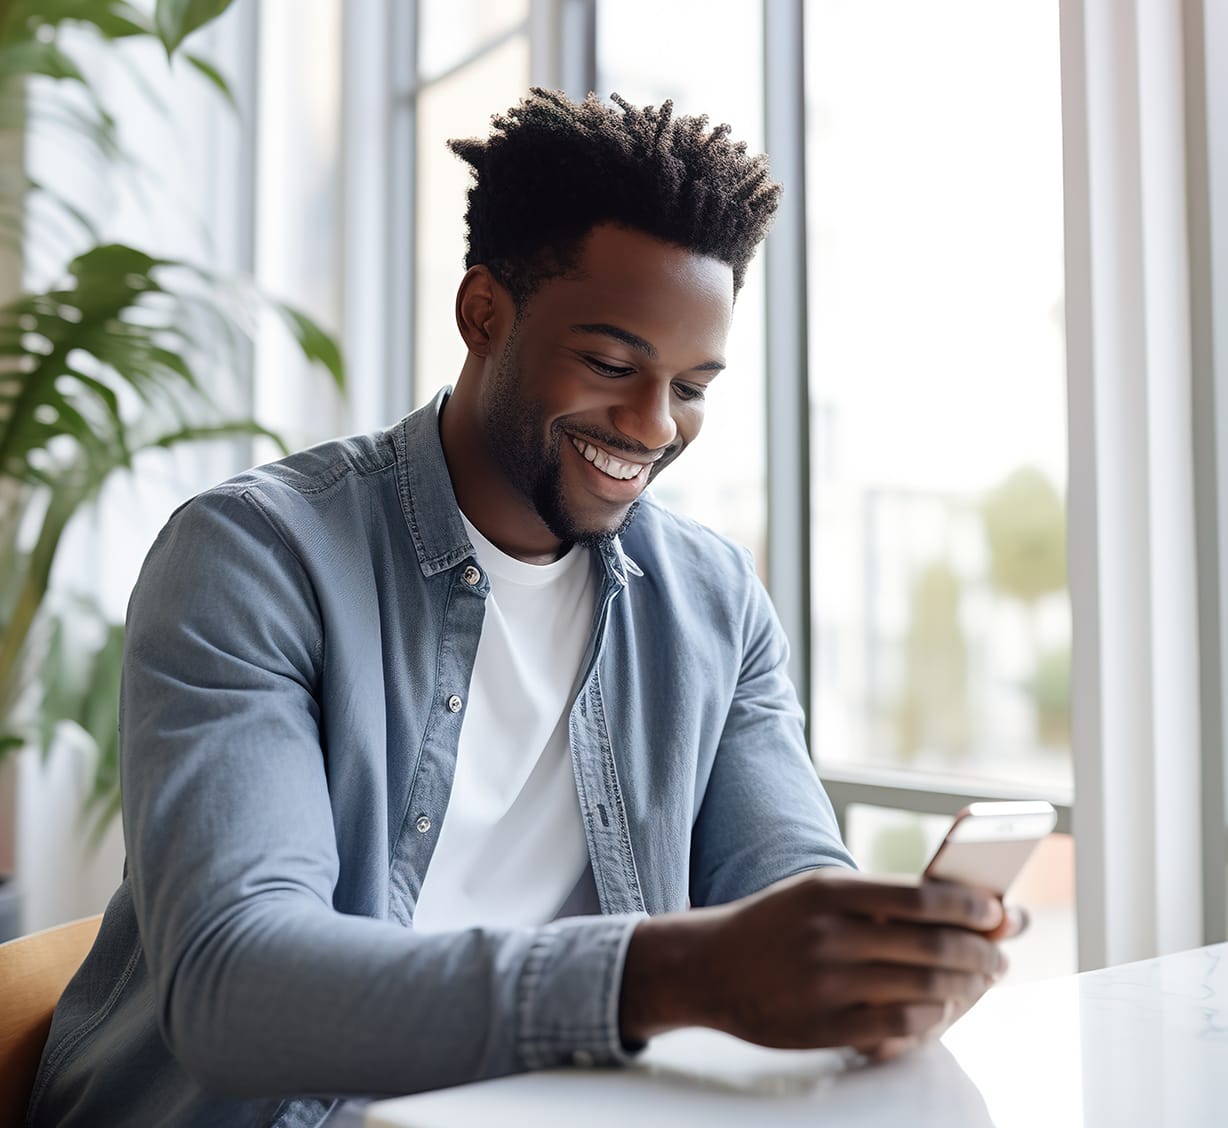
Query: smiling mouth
x=617, y=468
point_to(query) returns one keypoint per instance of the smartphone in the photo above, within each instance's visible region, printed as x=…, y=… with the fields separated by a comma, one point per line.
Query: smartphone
x=988, y=843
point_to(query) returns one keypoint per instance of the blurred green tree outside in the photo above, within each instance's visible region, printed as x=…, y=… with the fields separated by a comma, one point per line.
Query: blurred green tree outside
x=1025, y=528
x=933, y=708
x=1024, y=525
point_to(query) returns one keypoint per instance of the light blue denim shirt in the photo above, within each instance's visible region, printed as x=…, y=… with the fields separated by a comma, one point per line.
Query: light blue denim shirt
x=300, y=644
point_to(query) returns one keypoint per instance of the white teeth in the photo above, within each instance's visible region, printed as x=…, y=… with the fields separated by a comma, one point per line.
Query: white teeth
x=607, y=463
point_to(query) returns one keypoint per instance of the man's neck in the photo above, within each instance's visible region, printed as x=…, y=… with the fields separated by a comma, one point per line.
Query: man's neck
x=495, y=507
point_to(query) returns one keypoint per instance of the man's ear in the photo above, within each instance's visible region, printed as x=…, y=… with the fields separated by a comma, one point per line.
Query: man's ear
x=480, y=309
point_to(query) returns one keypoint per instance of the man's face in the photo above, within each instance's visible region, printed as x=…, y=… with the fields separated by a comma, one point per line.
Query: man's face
x=600, y=383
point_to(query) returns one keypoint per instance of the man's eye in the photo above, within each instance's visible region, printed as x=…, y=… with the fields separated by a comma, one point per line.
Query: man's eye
x=688, y=391
x=607, y=369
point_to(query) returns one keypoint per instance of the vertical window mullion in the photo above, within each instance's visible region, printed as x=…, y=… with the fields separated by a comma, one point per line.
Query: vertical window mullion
x=563, y=45
x=579, y=39
x=545, y=43
x=401, y=376
x=788, y=398
x=238, y=42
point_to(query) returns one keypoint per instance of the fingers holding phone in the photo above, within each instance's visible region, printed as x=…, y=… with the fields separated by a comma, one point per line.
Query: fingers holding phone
x=941, y=944
x=827, y=958
x=835, y=958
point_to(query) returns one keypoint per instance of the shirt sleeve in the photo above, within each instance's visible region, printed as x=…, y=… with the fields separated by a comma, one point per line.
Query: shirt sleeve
x=764, y=815
x=261, y=986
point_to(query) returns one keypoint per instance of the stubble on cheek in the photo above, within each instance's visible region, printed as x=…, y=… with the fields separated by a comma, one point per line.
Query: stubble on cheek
x=530, y=453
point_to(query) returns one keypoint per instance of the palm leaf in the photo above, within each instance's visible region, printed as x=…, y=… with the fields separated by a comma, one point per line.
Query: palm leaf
x=80, y=688
x=19, y=619
x=214, y=76
x=61, y=203
x=112, y=19
x=233, y=429
x=177, y=19
x=317, y=345
x=116, y=312
x=34, y=56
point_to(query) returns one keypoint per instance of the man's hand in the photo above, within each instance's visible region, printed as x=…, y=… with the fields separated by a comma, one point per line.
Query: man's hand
x=827, y=958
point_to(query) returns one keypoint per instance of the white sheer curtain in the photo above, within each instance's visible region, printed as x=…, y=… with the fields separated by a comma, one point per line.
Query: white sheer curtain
x=1145, y=869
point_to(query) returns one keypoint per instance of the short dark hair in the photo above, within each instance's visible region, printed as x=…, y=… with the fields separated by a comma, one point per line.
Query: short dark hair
x=553, y=169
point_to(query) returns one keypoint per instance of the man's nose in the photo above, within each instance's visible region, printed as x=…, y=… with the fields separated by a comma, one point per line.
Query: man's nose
x=645, y=415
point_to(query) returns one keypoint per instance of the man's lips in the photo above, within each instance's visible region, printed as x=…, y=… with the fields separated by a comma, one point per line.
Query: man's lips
x=620, y=468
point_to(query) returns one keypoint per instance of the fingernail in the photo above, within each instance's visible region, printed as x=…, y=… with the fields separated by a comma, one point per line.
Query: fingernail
x=1019, y=918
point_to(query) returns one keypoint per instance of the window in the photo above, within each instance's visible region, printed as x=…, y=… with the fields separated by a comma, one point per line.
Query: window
x=473, y=61
x=708, y=58
x=942, y=623
x=941, y=620
x=297, y=173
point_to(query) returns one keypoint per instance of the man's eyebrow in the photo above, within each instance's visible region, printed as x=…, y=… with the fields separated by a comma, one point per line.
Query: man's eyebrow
x=631, y=340
x=634, y=341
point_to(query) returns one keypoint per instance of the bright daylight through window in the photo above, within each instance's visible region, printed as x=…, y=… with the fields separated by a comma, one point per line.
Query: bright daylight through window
x=941, y=619
x=942, y=624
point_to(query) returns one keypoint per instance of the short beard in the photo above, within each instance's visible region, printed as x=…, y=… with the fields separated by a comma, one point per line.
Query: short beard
x=536, y=470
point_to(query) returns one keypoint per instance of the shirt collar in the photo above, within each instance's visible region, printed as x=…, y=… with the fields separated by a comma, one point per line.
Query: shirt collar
x=429, y=503
x=425, y=486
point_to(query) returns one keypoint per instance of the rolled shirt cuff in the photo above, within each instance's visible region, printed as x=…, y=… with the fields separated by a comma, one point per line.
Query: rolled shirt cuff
x=568, y=996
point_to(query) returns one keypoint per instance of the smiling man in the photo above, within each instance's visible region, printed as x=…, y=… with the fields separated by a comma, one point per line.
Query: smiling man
x=449, y=753
x=560, y=421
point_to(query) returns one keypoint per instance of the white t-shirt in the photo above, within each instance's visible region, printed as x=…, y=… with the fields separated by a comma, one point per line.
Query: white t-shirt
x=512, y=849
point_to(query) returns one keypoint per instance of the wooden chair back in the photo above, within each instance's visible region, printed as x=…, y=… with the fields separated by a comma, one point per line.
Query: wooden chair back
x=34, y=970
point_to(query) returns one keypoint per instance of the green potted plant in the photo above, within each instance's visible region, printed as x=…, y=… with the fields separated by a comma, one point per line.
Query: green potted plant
x=112, y=360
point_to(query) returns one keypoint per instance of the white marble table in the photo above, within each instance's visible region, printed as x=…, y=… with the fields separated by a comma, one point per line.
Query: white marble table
x=1143, y=1045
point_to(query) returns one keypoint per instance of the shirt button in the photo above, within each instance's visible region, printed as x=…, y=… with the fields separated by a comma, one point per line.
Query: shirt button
x=423, y=824
x=582, y=1059
x=471, y=575
x=455, y=703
